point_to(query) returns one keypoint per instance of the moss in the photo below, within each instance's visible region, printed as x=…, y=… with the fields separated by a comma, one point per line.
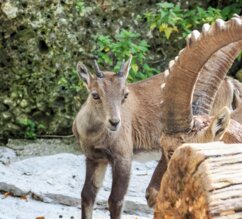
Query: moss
x=40, y=44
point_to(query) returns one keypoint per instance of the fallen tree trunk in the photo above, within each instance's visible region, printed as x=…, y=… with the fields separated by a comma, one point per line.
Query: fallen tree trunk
x=202, y=181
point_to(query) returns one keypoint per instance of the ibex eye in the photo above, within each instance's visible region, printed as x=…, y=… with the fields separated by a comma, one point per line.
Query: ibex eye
x=126, y=95
x=95, y=96
x=170, y=153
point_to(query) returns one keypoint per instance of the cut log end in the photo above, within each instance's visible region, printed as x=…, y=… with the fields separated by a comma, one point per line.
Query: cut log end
x=202, y=181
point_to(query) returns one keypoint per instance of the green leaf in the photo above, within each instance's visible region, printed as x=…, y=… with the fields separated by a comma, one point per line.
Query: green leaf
x=153, y=26
x=135, y=67
x=166, y=5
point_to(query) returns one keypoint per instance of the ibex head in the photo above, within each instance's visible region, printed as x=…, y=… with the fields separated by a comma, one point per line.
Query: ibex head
x=204, y=129
x=180, y=125
x=107, y=93
x=191, y=84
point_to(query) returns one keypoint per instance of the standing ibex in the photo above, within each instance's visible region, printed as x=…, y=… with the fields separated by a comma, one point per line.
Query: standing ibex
x=180, y=125
x=115, y=119
x=118, y=118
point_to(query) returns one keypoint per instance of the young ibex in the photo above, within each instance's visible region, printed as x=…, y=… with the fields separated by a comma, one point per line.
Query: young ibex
x=183, y=122
x=114, y=120
x=118, y=119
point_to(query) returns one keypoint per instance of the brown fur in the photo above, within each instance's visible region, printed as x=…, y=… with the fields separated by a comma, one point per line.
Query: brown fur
x=138, y=113
x=229, y=94
x=205, y=129
x=225, y=96
x=138, y=119
x=237, y=104
x=180, y=125
x=142, y=112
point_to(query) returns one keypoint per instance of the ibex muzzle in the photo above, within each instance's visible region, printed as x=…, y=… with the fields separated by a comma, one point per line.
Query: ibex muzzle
x=114, y=122
x=143, y=120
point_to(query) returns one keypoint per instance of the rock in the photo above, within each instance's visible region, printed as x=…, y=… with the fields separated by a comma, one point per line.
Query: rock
x=58, y=180
x=43, y=147
x=6, y=155
x=16, y=208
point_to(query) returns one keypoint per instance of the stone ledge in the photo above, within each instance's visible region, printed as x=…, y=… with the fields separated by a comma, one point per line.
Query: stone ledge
x=58, y=179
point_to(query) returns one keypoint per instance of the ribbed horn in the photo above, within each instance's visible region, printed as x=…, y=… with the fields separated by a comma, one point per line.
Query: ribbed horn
x=178, y=91
x=211, y=77
x=98, y=72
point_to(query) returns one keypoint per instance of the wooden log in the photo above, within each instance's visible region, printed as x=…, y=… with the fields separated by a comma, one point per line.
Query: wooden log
x=202, y=181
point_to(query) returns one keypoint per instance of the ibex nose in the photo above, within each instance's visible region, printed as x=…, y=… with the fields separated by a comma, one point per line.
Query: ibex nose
x=114, y=122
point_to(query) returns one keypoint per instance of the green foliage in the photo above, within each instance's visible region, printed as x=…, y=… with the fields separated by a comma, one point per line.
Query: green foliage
x=111, y=52
x=234, y=7
x=80, y=6
x=39, y=50
x=70, y=82
x=166, y=19
x=30, y=128
x=170, y=18
x=239, y=57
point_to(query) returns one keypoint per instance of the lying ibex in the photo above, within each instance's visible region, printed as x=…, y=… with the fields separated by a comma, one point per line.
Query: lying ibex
x=118, y=119
x=183, y=122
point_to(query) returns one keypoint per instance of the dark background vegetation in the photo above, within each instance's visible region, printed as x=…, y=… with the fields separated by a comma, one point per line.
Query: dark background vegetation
x=41, y=42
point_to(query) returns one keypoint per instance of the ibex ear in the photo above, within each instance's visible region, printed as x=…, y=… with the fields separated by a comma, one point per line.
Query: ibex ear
x=220, y=123
x=236, y=99
x=83, y=73
x=127, y=66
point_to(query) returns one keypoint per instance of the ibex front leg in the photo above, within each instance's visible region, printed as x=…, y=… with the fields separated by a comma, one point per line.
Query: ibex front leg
x=121, y=174
x=95, y=172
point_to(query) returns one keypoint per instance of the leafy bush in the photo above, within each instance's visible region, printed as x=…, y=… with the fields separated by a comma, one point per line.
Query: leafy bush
x=170, y=18
x=30, y=128
x=40, y=47
x=111, y=52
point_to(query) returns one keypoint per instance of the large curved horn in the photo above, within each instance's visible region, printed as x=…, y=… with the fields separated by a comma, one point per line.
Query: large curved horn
x=99, y=73
x=211, y=77
x=183, y=72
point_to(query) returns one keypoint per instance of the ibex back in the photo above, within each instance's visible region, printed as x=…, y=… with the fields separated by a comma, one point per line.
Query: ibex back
x=184, y=122
x=118, y=119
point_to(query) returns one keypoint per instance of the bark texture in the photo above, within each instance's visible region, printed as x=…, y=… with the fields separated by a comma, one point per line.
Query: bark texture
x=202, y=181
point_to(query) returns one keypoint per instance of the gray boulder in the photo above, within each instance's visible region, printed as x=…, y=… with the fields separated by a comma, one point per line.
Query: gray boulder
x=58, y=180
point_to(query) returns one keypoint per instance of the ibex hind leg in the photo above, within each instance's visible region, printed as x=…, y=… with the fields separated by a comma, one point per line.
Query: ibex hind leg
x=154, y=185
x=95, y=172
x=121, y=174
